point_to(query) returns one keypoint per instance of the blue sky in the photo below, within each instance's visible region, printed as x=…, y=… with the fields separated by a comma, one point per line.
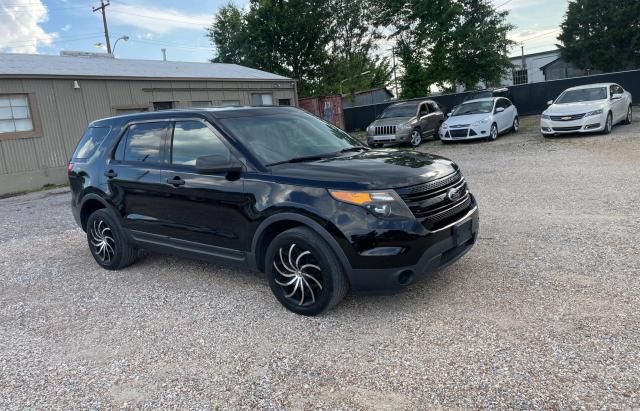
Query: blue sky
x=48, y=26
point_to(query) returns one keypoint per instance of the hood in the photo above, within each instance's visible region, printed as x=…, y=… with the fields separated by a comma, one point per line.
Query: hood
x=466, y=119
x=391, y=121
x=575, y=108
x=373, y=169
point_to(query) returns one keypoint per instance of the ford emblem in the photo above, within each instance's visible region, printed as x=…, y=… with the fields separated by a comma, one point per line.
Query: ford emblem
x=454, y=194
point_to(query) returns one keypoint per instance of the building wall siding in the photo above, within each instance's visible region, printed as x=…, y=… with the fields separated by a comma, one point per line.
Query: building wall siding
x=65, y=112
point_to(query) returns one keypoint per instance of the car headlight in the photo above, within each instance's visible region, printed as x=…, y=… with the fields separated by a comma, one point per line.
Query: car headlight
x=546, y=116
x=383, y=204
x=593, y=113
x=444, y=126
x=481, y=122
x=405, y=126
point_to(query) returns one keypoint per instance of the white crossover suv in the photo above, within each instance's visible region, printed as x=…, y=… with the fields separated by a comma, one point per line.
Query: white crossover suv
x=586, y=109
x=483, y=118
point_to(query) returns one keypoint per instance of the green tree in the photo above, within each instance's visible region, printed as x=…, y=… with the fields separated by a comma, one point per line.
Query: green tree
x=229, y=34
x=601, y=35
x=447, y=42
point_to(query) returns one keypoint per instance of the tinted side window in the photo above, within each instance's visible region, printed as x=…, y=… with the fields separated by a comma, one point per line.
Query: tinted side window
x=507, y=103
x=423, y=109
x=192, y=139
x=142, y=143
x=433, y=107
x=90, y=141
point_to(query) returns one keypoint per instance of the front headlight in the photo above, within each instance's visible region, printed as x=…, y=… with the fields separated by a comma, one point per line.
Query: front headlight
x=481, y=122
x=546, y=116
x=405, y=126
x=444, y=126
x=593, y=113
x=383, y=204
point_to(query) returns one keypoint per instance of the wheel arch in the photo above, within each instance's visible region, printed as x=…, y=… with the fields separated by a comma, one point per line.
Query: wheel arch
x=281, y=222
x=90, y=203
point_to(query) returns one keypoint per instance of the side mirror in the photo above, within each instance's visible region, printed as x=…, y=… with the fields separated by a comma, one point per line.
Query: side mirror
x=499, y=109
x=550, y=102
x=215, y=164
x=449, y=114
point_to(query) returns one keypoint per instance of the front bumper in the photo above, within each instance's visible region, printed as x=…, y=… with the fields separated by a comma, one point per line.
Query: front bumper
x=398, y=137
x=465, y=133
x=584, y=125
x=442, y=248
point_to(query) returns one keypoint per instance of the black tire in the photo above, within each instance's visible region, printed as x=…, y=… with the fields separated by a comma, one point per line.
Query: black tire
x=629, y=118
x=608, y=125
x=294, y=267
x=107, y=242
x=493, y=134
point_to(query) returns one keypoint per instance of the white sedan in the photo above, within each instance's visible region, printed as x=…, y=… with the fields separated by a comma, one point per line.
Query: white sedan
x=586, y=109
x=483, y=118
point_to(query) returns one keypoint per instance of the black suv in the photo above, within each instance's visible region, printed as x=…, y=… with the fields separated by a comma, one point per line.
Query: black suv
x=274, y=189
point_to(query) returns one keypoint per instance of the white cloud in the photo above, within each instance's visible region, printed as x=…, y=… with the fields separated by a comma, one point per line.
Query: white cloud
x=66, y=27
x=20, y=30
x=156, y=20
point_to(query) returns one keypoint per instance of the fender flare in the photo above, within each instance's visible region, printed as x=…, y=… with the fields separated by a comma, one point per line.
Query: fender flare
x=308, y=222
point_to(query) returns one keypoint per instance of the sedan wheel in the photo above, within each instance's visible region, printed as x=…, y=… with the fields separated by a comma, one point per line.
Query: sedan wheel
x=516, y=125
x=494, y=132
x=629, y=118
x=416, y=138
x=608, y=125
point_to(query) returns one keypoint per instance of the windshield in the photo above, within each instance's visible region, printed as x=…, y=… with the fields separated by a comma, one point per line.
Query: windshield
x=400, y=110
x=477, y=95
x=586, y=94
x=476, y=107
x=283, y=137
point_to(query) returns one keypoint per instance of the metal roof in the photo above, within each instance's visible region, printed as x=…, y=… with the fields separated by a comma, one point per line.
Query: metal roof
x=42, y=65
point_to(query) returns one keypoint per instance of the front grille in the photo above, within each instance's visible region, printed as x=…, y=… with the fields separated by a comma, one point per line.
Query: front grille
x=569, y=117
x=430, y=203
x=459, y=133
x=385, y=130
x=567, y=128
x=460, y=126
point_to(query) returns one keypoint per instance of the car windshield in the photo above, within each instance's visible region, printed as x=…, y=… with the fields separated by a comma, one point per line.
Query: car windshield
x=400, y=110
x=585, y=94
x=289, y=136
x=474, y=107
x=477, y=95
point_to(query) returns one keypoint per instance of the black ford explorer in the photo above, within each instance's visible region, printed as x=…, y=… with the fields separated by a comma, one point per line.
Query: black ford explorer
x=274, y=189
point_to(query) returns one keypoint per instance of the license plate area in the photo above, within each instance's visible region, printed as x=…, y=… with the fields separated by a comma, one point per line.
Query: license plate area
x=463, y=232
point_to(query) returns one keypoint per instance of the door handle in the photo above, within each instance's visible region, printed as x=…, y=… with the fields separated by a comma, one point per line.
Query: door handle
x=110, y=174
x=176, y=181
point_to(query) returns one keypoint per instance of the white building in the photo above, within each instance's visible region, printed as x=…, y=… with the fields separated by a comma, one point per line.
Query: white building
x=528, y=68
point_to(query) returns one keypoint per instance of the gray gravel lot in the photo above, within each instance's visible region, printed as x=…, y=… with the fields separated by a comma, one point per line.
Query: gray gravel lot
x=542, y=313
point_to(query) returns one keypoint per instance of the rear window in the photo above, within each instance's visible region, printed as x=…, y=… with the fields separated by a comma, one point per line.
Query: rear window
x=90, y=141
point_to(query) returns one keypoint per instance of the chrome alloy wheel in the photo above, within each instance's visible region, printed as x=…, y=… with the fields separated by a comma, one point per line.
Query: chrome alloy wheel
x=416, y=138
x=298, y=274
x=102, y=241
x=493, y=134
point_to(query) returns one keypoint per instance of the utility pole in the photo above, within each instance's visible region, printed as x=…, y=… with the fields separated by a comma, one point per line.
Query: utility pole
x=102, y=8
x=395, y=78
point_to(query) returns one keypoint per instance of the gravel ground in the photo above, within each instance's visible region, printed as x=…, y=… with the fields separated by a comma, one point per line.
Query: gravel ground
x=542, y=313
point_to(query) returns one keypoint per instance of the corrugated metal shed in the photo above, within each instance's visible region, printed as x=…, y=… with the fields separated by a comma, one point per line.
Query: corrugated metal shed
x=40, y=65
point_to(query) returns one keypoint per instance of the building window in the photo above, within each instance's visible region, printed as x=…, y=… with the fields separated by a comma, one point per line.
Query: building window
x=201, y=104
x=15, y=114
x=229, y=103
x=262, y=99
x=284, y=102
x=520, y=76
x=162, y=105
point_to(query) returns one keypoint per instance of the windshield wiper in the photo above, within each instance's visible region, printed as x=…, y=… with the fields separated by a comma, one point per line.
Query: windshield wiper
x=354, y=148
x=299, y=159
